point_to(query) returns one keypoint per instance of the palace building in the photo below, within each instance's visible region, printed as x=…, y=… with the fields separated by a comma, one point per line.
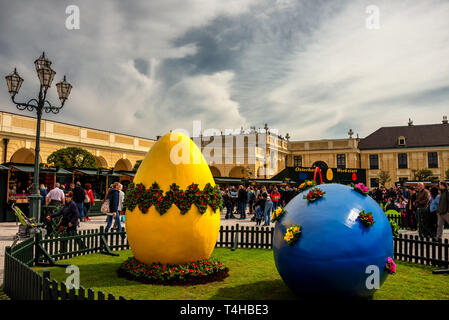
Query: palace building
x=251, y=154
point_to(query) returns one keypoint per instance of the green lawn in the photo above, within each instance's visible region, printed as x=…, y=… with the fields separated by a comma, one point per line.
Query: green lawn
x=252, y=275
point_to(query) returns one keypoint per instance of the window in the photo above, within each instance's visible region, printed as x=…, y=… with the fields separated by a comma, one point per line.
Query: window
x=403, y=179
x=401, y=141
x=374, y=161
x=402, y=161
x=432, y=159
x=286, y=161
x=374, y=183
x=341, y=161
x=297, y=161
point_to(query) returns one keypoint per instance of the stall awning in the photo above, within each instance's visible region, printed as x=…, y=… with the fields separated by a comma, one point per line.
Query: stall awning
x=262, y=181
x=23, y=168
x=3, y=167
x=114, y=175
x=90, y=172
x=228, y=180
x=63, y=171
x=131, y=174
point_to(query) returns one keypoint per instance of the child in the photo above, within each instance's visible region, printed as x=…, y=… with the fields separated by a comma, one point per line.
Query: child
x=260, y=206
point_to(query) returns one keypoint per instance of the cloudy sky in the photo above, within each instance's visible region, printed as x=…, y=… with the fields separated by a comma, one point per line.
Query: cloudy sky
x=311, y=68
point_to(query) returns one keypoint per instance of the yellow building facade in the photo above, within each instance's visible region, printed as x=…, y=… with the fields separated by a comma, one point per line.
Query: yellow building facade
x=17, y=134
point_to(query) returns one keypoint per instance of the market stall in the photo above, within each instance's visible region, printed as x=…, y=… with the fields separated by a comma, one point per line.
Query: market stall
x=4, y=171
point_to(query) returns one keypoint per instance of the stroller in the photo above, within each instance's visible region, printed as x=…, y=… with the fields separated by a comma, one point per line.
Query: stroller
x=26, y=226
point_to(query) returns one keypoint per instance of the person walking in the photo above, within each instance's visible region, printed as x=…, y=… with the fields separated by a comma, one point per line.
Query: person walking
x=78, y=197
x=260, y=208
x=121, y=197
x=251, y=199
x=432, y=219
x=55, y=197
x=227, y=202
x=275, y=198
x=114, y=197
x=233, y=197
x=43, y=193
x=411, y=210
x=89, y=204
x=422, y=204
x=70, y=215
x=268, y=207
x=242, y=197
x=443, y=208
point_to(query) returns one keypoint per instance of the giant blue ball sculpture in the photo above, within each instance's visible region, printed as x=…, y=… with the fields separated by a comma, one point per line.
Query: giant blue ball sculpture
x=334, y=249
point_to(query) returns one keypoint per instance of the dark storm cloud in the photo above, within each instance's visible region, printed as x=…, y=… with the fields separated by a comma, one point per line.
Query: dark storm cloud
x=310, y=68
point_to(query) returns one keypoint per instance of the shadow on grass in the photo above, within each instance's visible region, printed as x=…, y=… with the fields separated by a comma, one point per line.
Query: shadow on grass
x=262, y=290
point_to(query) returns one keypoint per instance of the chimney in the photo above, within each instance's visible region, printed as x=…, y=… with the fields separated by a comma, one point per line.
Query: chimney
x=444, y=119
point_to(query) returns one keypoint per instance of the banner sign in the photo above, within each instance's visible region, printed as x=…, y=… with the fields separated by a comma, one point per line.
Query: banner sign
x=326, y=175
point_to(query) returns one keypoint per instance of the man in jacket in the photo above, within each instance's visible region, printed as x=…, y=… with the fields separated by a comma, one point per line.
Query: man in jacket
x=421, y=203
x=114, y=198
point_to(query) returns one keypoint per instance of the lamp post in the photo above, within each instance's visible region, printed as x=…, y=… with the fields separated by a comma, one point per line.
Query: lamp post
x=266, y=149
x=46, y=75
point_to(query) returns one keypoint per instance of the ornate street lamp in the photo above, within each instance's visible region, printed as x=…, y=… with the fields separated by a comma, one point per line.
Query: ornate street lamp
x=46, y=75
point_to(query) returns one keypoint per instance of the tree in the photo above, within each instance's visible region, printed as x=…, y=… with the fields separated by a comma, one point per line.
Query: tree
x=73, y=157
x=137, y=165
x=383, y=178
x=422, y=174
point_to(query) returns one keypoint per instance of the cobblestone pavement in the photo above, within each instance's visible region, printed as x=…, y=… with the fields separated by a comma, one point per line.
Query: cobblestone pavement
x=9, y=229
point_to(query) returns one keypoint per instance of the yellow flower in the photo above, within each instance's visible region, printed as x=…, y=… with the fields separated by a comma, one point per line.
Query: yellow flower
x=309, y=182
x=302, y=185
x=288, y=235
x=296, y=229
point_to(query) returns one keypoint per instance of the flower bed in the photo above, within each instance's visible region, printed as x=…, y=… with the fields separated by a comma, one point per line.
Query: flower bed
x=199, y=272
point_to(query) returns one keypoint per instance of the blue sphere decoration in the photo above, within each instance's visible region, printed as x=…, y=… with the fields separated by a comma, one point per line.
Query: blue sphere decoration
x=334, y=248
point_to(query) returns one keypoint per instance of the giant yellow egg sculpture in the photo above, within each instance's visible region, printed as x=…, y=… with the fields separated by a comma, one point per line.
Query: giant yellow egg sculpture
x=168, y=234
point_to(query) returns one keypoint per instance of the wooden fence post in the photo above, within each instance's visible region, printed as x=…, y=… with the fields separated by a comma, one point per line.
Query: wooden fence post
x=235, y=240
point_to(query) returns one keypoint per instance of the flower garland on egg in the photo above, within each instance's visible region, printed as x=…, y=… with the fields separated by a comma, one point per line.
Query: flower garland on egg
x=360, y=188
x=277, y=214
x=390, y=266
x=292, y=234
x=366, y=218
x=139, y=196
x=306, y=185
x=314, y=194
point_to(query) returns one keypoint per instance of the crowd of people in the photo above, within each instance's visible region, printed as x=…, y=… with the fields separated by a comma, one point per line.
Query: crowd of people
x=259, y=201
x=425, y=210
x=76, y=202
